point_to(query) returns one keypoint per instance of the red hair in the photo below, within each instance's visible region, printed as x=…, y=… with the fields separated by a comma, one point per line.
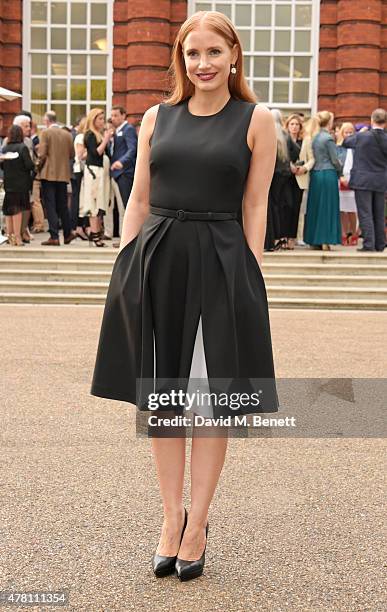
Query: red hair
x=180, y=85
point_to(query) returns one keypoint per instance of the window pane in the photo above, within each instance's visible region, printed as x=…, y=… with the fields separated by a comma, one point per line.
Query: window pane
x=98, y=90
x=302, y=40
x=283, y=15
x=262, y=15
x=223, y=8
x=58, y=38
x=59, y=65
x=300, y=91
x=261, y=88
x=38, y=38
x=98, y=65
x=78, y=89
x=98, y=39
x=246, y=65
x=282, y=40
x=304, y=15
x=262, y=40
x=98, y=14
x=243, y=14
x=77, y=111
x=202, y=6
x=282, y=66
x=281, y=91
x=39, y=89
x=60, y=110
x=38, y=12
x=78, y=64
x=262, y=66
x=78, y=38
x=78, y=13
x=301, y=67
x=58, y=12
x=38, y=63
x=58, y=89
x=38, y=111
x=244, y=36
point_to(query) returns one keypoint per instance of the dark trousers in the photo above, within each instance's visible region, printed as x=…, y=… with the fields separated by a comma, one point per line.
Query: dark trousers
x=125, y=183
x=76, y=220
x=55, y=202
x=370, y=209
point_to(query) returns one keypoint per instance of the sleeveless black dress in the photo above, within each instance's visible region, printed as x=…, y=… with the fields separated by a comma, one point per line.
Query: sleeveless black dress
x=176, y=274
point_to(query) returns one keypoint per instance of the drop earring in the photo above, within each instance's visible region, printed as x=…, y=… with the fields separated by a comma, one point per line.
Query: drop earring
x=233, y=69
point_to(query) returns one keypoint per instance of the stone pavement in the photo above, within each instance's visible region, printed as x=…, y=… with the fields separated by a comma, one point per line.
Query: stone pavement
x=295, y=524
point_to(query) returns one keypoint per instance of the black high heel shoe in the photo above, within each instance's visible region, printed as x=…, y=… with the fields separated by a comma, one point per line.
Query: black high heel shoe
x=281, y=244
x=162, y=565
x=186, y=570
x=95, y=237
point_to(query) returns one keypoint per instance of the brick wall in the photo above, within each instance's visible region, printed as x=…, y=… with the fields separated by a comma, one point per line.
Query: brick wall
x=144, y=31
x=10, y=54
x=352, y=62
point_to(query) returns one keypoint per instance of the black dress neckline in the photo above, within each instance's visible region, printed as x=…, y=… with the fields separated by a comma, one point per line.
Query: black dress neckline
x=207, y=116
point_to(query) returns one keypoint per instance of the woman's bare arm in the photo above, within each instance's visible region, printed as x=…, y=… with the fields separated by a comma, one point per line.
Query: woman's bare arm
x=255, y=200
x=137, y=208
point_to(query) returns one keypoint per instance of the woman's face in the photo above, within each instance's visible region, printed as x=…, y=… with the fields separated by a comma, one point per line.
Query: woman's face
x=348, y=131
x=205, y=52
x=294, y=127
x=100, y=122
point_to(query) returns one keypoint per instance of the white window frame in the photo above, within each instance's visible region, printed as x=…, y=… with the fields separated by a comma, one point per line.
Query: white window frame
x=26, y=59
x=312, y=103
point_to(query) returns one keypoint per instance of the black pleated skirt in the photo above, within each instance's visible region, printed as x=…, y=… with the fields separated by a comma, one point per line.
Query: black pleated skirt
x=162, y=281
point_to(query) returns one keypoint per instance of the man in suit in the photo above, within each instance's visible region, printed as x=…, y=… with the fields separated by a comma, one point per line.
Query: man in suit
x=56, y=149
x=369, y=180
x=123, y=157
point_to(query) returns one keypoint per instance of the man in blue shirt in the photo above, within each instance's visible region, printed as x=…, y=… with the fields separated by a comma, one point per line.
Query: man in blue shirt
x=123, y=154
x=369, y=180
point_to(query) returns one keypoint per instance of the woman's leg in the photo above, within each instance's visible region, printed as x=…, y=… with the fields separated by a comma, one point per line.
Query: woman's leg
x=17, y=222
x=9, y=224
x=169, y=457
x=207, y=459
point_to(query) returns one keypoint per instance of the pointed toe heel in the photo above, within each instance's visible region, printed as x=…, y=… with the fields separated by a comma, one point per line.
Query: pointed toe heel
x=162, y=565
x=187, y=570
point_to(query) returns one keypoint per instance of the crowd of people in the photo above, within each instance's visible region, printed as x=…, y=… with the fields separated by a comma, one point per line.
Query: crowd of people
x=79, y=179
x=329, y=183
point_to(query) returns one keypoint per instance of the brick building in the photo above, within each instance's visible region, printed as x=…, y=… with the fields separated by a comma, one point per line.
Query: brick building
x=71, y=55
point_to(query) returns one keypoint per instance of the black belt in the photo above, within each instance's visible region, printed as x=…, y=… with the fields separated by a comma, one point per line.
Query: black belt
x=197, y=216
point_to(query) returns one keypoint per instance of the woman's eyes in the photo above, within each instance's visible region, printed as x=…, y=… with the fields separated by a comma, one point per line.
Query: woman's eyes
x=216, y=51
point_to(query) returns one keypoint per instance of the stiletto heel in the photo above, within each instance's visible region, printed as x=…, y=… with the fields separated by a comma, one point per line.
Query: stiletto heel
x=186, y=570
x=162, y=565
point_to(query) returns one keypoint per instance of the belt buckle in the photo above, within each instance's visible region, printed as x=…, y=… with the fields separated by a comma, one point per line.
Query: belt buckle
x=180, y=214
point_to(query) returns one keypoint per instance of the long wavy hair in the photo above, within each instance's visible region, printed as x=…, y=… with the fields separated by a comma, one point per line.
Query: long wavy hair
x=282, y=135
x=180, y=85
x=90, y=123
x=311, y=127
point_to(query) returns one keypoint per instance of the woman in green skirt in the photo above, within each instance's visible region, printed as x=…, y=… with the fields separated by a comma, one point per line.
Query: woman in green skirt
x=322, y=220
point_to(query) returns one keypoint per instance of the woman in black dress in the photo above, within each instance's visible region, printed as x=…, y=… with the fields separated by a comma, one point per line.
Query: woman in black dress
x=188, y=274
x=279, y=194
x=294, y=127
x=17, y=184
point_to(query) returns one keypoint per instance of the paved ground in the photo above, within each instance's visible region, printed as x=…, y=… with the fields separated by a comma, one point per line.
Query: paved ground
x=296, y=523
